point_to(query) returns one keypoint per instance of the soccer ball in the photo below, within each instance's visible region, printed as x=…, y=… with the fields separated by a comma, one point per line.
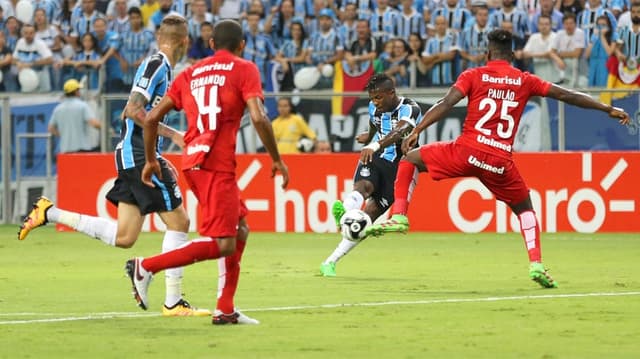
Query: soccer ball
x=353, y=224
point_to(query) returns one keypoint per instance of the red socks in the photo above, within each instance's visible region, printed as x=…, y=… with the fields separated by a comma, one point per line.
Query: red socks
x=404, y=178
x=229, y=273
x=530, y=230
x=196, y=251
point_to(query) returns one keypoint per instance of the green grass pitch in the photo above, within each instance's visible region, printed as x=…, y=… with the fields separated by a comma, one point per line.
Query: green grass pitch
x=422, y=295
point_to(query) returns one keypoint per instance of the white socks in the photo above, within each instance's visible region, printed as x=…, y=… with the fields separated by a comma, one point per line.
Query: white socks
x=354, y=200
x=96, y=227
x=173, y=277
x=341, y=250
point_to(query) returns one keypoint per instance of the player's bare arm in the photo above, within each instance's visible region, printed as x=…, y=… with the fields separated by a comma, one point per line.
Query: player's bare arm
x=585, y=101
x=396, y=135
x=366, y=137
x=434, y=114
x=150, y=134
x=265, y=132
x=135, y=110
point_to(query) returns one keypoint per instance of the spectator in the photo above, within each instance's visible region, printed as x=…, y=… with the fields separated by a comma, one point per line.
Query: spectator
x=518, y=18
x=66, y=19
x=289, y=128
x=362, y=52
x=147, y=9
x=258, y=47
x=364, y=8
x=61, y=52
x=409, y=21
x=473, y=41
x=348, y=28
x=257, y=7
x=547, y=9
x=137, y=43
x=200, y=46
x=418, y=70
x=109, y=44
x=9, y=81
x=383, y=21
x=119, y=21
x=227, y=9
x=573, y=6
x=84, y=22
x=397, y=65
x=322, y=147
x=33, y=53
x=538, y=49
x=44, y=30
x=457, y=16
x=51, y=8
x=86, y=62
x=166, y=8
x=12, y=32
x=293, y=55
x=199, y=15
x=72, y=120
x=326, y=46
x=518, y=45
x=440, y=54
x=568, y=46
x=586, y=20
x=598, y=51
x=280, y=27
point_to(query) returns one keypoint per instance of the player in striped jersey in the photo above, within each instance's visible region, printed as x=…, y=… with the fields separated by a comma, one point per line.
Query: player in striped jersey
x=136, y=45
x=391, y=117
x=457, y=16
x=473, y=41
x=409, y=21
x=133, y=198
x=589, y=16
x=439, y=54
x=383, y=21
x=510, y=13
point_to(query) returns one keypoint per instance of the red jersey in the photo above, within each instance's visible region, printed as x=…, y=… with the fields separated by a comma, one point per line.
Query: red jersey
x=498, y=94
x=213, y=93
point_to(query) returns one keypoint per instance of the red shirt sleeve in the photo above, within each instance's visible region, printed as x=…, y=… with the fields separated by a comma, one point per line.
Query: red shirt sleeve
x=464, y=82
x=175, y=91
x=538, y=86
x=251, y=86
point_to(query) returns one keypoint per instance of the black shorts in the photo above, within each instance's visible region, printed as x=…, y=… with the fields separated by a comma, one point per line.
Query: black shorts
x=128, y=188
x=382, y=174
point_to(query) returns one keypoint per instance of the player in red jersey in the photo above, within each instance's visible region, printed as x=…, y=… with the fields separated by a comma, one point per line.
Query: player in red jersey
x=497, y=95
x=214, y=93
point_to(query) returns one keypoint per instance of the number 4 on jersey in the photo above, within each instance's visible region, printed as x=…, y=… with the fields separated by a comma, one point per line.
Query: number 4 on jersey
x=210, y=109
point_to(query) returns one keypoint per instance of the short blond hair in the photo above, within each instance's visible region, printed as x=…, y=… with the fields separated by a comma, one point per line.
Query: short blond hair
x=173, y=27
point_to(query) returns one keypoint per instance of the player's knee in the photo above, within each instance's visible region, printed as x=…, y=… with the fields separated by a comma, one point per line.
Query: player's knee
x=125, y=241
x=227, y=247
x=179, y=224
x=243, y=231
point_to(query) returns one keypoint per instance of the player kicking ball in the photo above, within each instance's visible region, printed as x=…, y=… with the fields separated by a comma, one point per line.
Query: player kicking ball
x=390, y=118
x=497, y=94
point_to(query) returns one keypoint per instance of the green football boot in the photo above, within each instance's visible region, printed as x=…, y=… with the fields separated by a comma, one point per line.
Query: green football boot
x=338, y=211
x=398, y=223
x=328, y=269
x=539, y=274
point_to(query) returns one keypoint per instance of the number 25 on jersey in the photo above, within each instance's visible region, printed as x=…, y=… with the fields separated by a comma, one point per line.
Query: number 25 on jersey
x=504, y=130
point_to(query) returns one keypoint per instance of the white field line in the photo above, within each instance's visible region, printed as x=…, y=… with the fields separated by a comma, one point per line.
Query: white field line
x=114, y=315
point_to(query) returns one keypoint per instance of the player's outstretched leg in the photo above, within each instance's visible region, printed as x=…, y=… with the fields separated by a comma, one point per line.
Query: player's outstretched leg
x=398, y=223
x=540, y=275
x=140, y=280
x=328, y=269
x=36, y=218
x=338, y=211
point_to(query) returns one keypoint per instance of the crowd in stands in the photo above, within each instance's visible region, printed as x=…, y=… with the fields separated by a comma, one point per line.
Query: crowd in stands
x=418, y=42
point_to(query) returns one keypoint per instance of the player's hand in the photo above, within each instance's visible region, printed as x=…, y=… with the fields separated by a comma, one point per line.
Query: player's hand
x=279, y=166
x=620, y=115
x=409, y=142
x=178, y=139
x=366, y=155
x=151, y=167
x=363, y=137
